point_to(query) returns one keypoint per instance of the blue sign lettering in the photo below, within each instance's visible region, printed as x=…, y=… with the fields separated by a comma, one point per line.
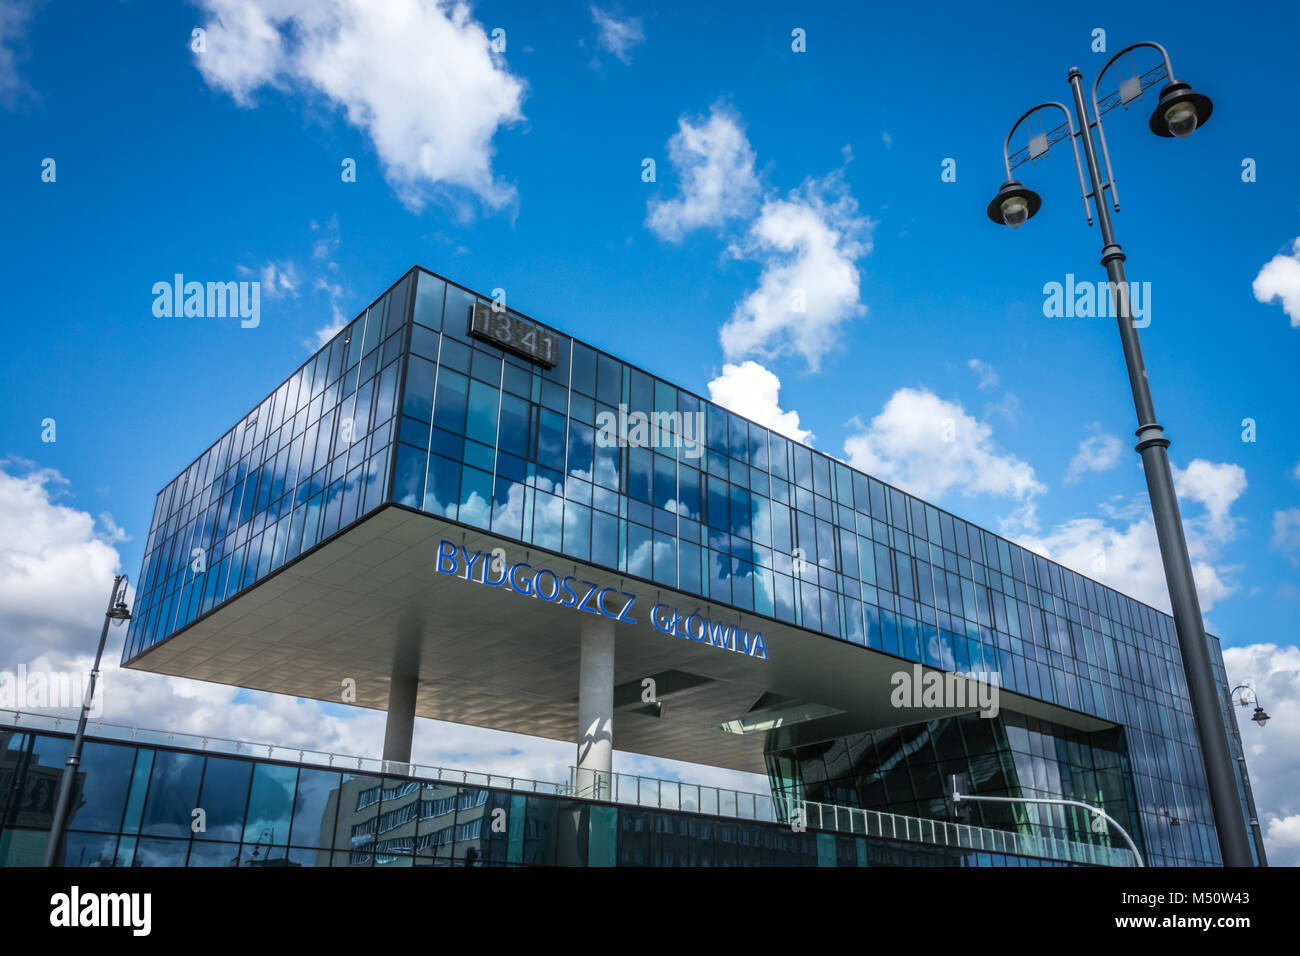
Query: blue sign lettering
x=591, y=598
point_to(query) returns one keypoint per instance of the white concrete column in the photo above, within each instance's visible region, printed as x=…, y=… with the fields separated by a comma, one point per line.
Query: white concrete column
x=403, y=686
x=596, y=709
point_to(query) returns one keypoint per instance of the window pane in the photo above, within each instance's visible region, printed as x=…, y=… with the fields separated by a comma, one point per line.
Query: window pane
x=314, y=806
x=418, y=400
x=104, y=775
x=482, y=424
x=428, y=300
x=270, y=804
x=173, y=795
x=223, y=798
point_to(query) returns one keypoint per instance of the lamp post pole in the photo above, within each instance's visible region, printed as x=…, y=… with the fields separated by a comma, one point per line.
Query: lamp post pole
x=1152, y=446
x=1179, y=111
x=117, y=611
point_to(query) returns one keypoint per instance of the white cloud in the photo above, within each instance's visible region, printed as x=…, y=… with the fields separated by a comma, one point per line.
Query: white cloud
x=808, y=245
x=930, y=446
x=1217, y=487
x=1122, y=550
x=1126, y=557
x=888, y=140
x=751, y=390
x=1272, y=751
x=327, y=243
x=418, y=78
x=56, y=565
x=14, y=17
x=1097, y=453
x=1286, y=533
x=715, y=165
x=278, y=279
x=337, y=319
x=1280, y=279
x=617, y=35
x=987, y=373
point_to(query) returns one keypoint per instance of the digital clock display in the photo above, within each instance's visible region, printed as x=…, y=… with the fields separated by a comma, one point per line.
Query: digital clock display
x=514, y=334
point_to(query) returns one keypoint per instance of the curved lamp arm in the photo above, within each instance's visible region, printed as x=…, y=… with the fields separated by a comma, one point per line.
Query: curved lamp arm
x=1101, y=131
x=1245, y=703
x=1074, y=145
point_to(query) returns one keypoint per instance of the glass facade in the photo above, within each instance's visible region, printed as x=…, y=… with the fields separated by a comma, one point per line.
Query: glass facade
x=908, y=770
x=136, y=805
x=310, y=459
x=406, y=406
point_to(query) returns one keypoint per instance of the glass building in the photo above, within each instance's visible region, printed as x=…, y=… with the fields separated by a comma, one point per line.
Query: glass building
x=433, y=403
x=133, y=806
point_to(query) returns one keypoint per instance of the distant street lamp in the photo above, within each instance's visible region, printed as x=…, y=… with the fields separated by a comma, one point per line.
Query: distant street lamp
x=1259, y=716
x=1179, y=112
x=117, y=613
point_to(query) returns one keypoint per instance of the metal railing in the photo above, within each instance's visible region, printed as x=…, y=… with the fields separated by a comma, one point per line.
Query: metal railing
x=630, y=789
x=894, y=826
x=626, y=789
x=313, y=758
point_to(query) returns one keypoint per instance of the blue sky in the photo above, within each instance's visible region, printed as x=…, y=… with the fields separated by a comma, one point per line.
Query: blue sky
x=774, y=170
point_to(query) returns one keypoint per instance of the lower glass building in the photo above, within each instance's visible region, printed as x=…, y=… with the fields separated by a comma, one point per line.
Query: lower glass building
x=432, y=501
x=134, y=806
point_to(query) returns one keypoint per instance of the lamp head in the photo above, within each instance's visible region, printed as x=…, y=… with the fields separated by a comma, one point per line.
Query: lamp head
x=1014, y=204
x=1180, y=112
x=1260, y=717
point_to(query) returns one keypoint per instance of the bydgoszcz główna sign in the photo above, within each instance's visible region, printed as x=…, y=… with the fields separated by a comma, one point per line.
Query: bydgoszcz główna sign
x=573, y=592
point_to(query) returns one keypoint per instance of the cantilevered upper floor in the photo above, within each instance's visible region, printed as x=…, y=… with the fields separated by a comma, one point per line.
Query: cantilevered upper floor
x=298, y=551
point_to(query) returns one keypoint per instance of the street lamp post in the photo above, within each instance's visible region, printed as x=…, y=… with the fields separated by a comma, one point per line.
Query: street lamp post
x=117, y=613
x=1178, y=113
x=1261, y=718
x=958, y=797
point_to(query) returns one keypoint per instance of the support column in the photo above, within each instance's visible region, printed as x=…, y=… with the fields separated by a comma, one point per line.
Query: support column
x=596, y=709
x=402, y=688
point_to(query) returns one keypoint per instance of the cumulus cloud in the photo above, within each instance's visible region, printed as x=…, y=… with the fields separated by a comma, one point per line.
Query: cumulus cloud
x=56, y=562
x=1122, y=550
x=1280, y=279
x=419, y=78
x=715, y=166
x=1272, y=751
x=617, y=35
x=751, y=390
x=929, y=446
x=1126, y=556
x=1097, y=453
x=808, y=244
x=1217, y=487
